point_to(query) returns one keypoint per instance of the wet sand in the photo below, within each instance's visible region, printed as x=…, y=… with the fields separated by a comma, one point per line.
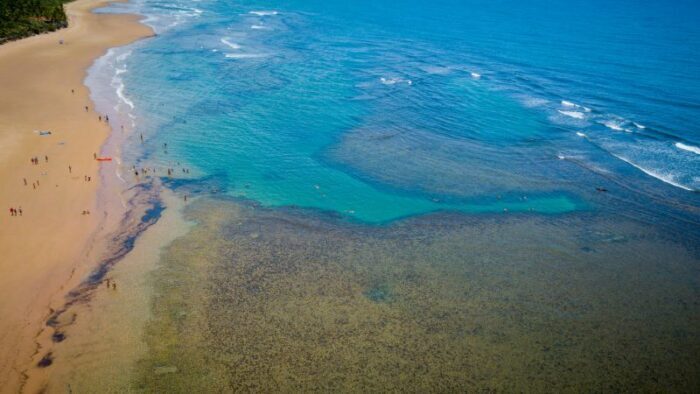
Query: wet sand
x=50, y=248
x=106, y=341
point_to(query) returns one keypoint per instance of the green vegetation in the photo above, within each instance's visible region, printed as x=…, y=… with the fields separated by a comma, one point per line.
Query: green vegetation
x=22, y=18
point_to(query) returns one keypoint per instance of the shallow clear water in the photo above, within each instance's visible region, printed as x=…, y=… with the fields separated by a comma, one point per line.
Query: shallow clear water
x=460, y=189
x=378, y=111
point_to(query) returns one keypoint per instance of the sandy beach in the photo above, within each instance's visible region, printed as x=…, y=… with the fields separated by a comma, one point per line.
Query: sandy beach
x=50, y=247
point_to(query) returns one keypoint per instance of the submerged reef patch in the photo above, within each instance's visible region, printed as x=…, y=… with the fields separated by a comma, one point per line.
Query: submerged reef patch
x=259, y=299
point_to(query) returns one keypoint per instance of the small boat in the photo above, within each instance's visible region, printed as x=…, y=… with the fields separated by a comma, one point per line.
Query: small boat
x=104, y=159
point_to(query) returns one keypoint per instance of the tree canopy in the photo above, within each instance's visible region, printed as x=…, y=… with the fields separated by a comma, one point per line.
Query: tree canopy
x=21, y=18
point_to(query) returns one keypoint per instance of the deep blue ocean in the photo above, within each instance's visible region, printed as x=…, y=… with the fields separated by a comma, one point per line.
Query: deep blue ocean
x=378, y=110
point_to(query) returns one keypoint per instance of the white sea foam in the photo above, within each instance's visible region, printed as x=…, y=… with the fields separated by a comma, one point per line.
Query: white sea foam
x=532, y=102
x=580, y=134
x=667, y=178
x=569, y=104
x=393, y=81
x=117, y=83
x=245, y=55
x=565, y=103
x=689, y=148
x=475, y=75
x=572, y=114
x=123, y=56
x=257, y=27
x=614, y=125
x=264, y=13
x=230, y=44
x=639, y=126
x=122, y=97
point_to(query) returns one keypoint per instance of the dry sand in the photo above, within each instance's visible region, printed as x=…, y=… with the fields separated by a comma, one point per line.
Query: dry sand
x=50, y=248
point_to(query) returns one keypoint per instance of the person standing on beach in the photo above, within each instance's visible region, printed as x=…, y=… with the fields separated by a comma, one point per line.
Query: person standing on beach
x=46, y=158
x=25, y=181
x=86, y=108
x=12, y=211
x=20, y=211
x=70, y=169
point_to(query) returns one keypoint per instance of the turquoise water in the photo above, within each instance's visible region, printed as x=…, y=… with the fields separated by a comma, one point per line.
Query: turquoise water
x=378, y=112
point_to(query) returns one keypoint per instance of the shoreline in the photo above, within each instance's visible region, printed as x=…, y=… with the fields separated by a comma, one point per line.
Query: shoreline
x=51, y=248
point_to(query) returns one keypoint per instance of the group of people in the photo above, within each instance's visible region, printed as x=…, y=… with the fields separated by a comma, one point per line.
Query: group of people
x=112, y=283
x=184, y=171
x=35, y=160
x=16, y=211
x=146, y=170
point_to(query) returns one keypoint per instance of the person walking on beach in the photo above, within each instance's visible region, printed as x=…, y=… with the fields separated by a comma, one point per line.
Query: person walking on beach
x=12, y=211
x=20, y=211
x=86, y=108
x=25, y=181
x=46, y=158
x=70, y=169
